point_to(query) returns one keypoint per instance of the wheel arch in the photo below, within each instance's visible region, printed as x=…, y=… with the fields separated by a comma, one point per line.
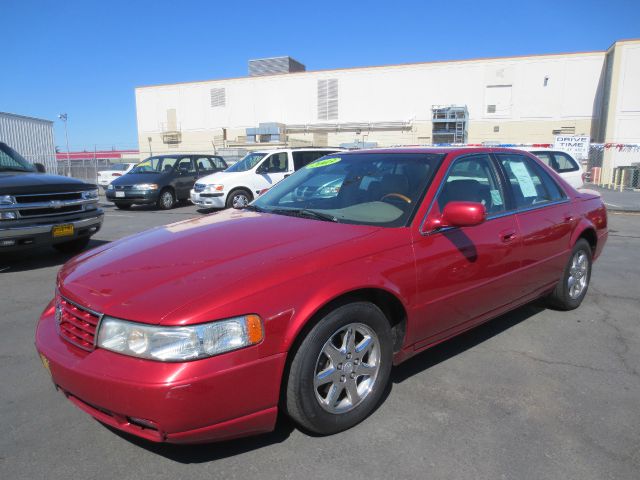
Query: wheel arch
x=589, y=234
x=388, y=302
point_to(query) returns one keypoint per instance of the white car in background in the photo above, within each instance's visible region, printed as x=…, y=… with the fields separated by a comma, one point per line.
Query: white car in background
x=105, y=177
x=239, y=184
x=563, y=163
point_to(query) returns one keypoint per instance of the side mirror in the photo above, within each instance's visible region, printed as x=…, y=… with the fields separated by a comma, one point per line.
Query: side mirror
x=459, y=214
x=40, y=168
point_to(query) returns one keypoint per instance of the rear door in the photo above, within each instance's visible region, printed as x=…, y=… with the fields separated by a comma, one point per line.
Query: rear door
x=465, y=273
x=544, y=220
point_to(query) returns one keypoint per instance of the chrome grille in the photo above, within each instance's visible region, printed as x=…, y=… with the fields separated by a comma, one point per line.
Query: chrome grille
x=76, y=324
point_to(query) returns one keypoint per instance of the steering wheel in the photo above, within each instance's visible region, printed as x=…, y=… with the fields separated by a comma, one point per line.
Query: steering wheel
x=397, y=195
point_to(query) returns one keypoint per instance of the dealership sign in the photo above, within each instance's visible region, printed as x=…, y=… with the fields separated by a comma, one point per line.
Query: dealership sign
x=576, y=145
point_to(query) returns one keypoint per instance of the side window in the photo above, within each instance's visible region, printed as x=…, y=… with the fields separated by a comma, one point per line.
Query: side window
x=219, y=163
x=546, y=158
x=565, y=163
x=526, y=181
x=555, y=192
x=186, y=165
x=276, y=163
x=204, y=164
x=473, y=179
x=301, y=159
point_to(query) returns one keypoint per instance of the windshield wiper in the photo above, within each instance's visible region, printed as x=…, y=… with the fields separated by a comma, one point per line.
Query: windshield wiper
x=305, y=212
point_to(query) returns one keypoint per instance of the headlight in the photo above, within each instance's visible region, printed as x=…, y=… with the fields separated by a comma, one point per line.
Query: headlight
x=176, y=344
x=110, y=187
x=90, y=194
x=214, y=188
x=7, y=200
x=8, y=215
x=145, y=186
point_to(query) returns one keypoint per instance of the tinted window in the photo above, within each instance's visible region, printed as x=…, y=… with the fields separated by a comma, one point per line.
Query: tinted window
x=219, y=163
x=526, y=181
x=276, y=163
x=546, y=158
x=366, y=188
x=11, y=160
x=204, y=164
x=300, y=159
x=155, y=165
x=186, y=165
x=564, y=163
x=473, y=179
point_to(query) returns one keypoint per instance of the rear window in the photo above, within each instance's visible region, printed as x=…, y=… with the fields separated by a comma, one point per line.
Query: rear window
x=301, y=159
x=559, y=161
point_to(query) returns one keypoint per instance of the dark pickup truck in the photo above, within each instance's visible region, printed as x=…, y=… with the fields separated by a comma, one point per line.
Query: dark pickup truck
x=40, y=209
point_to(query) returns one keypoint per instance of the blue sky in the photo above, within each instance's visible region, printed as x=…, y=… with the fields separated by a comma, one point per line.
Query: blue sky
x=86, y=57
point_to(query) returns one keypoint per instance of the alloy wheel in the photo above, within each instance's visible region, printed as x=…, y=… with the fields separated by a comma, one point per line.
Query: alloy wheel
x=347, y=368
x=578, y=274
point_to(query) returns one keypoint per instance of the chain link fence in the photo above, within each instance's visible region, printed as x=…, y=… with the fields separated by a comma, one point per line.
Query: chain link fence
x=615, y=167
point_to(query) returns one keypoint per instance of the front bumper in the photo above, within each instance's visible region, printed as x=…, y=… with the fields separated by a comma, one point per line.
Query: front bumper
x=133, y=196
x=37, y=232
x=208, y=200
x=218, y=398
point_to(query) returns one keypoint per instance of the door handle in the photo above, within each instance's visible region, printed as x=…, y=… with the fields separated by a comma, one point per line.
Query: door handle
x=507, y=235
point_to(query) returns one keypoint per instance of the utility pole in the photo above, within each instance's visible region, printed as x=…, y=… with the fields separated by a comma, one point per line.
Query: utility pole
x=63, y=117
x=150, y=152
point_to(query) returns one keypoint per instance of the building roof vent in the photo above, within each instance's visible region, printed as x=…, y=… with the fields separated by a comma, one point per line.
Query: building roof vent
x=274, y=66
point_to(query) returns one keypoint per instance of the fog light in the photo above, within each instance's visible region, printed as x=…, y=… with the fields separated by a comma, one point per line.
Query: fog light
x=8, y=215
x=7, y=243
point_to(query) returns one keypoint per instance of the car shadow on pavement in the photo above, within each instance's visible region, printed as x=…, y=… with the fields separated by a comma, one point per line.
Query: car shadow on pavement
x=215, y=451
x=450, y=348
x=39, y=257
x=209, y=452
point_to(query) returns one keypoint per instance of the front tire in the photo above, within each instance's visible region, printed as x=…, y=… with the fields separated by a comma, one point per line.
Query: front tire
x=239, y=198
x=340, y=370
x=166, y=199
x=574, y=284
x=72, y=246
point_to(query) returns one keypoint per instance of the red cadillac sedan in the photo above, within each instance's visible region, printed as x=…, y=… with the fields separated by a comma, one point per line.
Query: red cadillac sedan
x=302, y=302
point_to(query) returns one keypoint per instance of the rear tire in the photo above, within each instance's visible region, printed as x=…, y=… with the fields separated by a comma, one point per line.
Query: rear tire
x=239, y=198
x=339, y=373
x=166, y=199
x=123, y=206
x=73, y=246
x=574, y=284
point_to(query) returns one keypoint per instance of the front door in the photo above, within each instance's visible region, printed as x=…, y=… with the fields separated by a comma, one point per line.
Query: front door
x=273, y=169
x=465, y=273
x=186, y=176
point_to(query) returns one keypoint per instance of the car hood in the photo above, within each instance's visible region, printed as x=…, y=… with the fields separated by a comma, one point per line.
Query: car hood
x=134, y=178
x=224, y=257
x=16, y=183
x=221, y=177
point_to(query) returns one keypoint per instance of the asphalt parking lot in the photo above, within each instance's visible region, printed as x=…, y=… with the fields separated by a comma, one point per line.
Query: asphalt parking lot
x=534, y=394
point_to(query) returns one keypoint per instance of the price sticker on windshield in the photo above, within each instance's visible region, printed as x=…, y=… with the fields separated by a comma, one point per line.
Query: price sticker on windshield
x=324, y=163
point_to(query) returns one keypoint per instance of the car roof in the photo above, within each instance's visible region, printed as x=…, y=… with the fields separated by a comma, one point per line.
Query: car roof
x=440, y=150
x=301, y=149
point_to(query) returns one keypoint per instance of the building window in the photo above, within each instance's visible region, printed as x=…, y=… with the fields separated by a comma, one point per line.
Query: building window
x=496, y=128
x=491, y=109
x=218, y=97
x=328, y=99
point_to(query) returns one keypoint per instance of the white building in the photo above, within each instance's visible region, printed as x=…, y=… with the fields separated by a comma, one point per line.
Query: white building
x=524, y=99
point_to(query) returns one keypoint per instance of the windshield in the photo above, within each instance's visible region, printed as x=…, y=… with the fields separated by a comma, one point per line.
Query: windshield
x=247, y=163
x=12, y=161
x=155, y=165
x=382, y=189
x=120, y=167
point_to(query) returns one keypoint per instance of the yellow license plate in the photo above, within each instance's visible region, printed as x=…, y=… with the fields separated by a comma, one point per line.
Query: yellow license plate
x=45, y=363
x=62, y=230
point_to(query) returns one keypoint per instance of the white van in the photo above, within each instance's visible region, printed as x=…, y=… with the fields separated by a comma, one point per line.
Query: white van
x=563, y=163
x=242, y=182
